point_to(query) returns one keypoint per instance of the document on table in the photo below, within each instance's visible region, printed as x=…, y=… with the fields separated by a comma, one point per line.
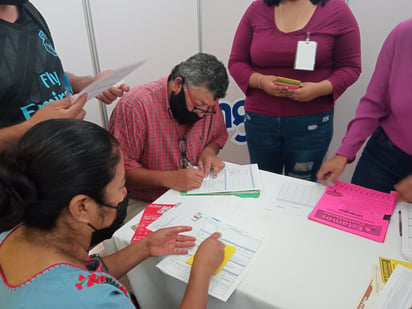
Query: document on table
x=109, y=80
x=387, y=266
x=297, y=197
x=356, y=210
x=179, y=215
x=397, y=292
x=225, y=282
x=405, y=228
x=241, y=179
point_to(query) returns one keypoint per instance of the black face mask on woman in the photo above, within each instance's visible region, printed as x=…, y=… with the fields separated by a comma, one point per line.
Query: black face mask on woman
x=13, y=2
x=179, y=109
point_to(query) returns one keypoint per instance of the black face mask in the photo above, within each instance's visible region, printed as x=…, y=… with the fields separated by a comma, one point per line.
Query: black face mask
x=179, y=109
x=105, y=205
x=13, y=2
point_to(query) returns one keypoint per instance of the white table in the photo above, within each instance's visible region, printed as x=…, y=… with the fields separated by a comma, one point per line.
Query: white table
x=303, y=264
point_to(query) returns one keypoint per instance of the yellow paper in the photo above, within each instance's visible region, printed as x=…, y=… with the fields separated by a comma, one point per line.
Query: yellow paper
x=229, y=251
x=388, y=266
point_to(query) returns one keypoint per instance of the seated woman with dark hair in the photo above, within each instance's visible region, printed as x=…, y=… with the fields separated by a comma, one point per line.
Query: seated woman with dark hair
x=64, y=181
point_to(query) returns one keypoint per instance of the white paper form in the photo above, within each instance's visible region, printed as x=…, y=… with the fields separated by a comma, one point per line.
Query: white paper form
x=109, y=80
x=397, y=292
x=225, y=282
x=297, y=197
x=405, y=227
x=179, y=215
x=242, y=178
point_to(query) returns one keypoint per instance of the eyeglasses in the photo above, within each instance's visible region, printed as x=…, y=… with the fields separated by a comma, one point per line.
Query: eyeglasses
x=210, y=111
x=183, y=161
x=107, y=205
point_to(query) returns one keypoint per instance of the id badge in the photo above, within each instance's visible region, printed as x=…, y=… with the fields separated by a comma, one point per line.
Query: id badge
x=305, y=55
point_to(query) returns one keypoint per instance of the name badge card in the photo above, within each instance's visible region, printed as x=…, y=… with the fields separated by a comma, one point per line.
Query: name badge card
x=305, y=55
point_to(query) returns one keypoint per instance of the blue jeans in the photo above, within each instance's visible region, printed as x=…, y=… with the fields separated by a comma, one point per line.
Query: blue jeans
x=382, y=164
x=295, y=145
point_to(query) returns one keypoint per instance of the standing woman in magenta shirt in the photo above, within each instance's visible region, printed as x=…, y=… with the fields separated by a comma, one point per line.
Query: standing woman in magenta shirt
x=289, y=130
x=385, y=112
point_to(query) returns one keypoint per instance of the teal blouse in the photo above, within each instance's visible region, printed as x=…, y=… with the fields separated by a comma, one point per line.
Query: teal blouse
x=65, y=286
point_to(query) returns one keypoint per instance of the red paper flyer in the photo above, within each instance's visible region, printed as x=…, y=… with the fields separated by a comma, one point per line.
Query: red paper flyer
x=150, y=214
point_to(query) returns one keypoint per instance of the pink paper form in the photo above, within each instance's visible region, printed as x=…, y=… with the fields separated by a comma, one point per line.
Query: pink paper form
x=356, y=210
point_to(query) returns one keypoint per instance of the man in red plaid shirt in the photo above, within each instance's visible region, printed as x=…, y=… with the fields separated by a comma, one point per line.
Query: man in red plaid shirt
x=167, y=126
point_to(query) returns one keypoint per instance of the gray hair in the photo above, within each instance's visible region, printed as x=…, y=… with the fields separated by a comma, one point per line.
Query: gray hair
x=203, y=70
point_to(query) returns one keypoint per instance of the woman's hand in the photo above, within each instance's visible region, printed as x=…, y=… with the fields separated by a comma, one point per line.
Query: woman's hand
x=210, y=254
x=208, y=257
x=404, y=189
x=332, y=169
x=169, y=241
x=267, y=84
x=310, y=91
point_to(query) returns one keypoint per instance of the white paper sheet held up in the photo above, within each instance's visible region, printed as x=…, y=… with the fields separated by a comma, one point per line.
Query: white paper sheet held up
x=109, y=80
x=225, y=282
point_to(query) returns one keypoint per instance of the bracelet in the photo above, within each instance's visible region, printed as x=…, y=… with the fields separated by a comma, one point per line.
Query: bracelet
x=258, y=81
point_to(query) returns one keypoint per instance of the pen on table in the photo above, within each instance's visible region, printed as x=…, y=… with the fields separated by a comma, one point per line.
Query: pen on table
x=400, y=223
x=177, y=204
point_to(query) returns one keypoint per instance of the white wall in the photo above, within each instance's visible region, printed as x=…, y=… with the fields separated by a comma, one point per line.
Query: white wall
x=163, y=32
x=166, y=32
x=219, y=23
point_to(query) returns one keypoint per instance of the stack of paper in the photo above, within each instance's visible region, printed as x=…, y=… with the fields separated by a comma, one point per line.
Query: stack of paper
x=242, y=180
x=397, y=292
x=390, y=286
x=387, y=266
x=405, y=228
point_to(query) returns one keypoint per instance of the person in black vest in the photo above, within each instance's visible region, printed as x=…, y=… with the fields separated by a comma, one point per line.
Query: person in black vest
x=33, y=85
x=32, y=75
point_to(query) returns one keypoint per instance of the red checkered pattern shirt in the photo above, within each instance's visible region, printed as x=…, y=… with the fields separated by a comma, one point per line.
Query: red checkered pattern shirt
x=147, y=133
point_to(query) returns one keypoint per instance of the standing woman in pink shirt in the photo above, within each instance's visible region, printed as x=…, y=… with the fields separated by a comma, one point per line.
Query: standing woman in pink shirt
x=385, y=112
x=314, y=41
